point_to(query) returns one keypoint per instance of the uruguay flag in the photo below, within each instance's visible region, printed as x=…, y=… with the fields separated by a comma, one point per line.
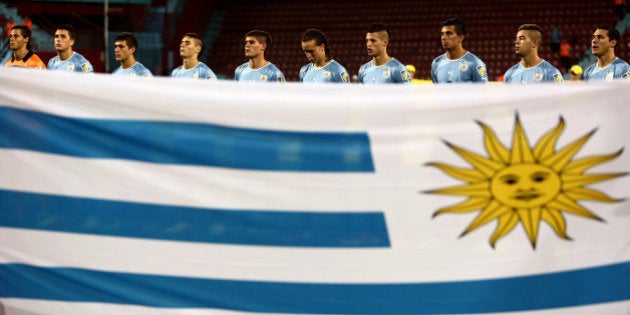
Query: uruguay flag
x=160, y=196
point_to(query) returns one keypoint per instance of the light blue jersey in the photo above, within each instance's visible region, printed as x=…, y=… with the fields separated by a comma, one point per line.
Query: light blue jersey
x=618, y=69
x=331, y=72
x=76, y=63
x=543, y=72
x=200, y=71
x=468, y=68
x=137, y=70
x=268, y=73
x=391, y=72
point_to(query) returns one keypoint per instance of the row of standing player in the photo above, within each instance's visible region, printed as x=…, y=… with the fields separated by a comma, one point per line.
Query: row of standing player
x=454, y=66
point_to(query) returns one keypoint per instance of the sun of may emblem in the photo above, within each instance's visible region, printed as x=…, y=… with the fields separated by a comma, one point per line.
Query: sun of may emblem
x=524, y=184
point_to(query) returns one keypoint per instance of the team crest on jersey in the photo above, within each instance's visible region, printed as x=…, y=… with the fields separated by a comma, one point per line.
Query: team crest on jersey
x=482, y=71
x=405, y=75
x=386, y=74
x=327, y=75
x=344, y=77
x=538, y=76
x=610, y=75
x=133, y=74
x=195, y=74
x=264, y=77
x=85, y=68
x=557, y=77
x=463, y=66
x=71, y=67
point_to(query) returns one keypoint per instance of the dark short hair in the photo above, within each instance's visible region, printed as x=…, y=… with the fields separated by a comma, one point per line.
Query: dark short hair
x=379, y=27
x=613, y=33
x=68, y=28
x=128, y=38
x=532, y=27
x=460, y=27
x=319, y=37
x=198, y=38
x=26, y=33
x=262, y=37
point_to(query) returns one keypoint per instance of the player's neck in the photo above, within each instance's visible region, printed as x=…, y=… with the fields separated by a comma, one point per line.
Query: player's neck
x=455, y=53
x=607, y=59
x=65, y=55
x=257, y=62
x=321, y=63
x=530, y=60
x=190, y=63
x=128, y=63
x=20, y=53
x=381, y=59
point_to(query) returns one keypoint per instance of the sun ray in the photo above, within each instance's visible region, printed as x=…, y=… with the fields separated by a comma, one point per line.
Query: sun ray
x=494, y=210
x=468, y=205
x=496, y=150
x=572, y=181
x=581, y=165
x=590, y=194
x=562, y=158
x=530, y=220
x=467, y=175
x=547, y=144
x=567, y=204
x=483, y=164
x=556, y=220
x=505, y=225
x=521, y=153
x=473, y=190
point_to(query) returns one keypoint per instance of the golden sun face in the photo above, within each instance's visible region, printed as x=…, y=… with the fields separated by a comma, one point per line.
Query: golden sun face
x=524, y=184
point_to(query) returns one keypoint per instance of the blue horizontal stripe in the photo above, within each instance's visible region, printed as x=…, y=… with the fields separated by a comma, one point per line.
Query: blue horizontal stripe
x=602, y=284
x=142, y=220
x=185, y=143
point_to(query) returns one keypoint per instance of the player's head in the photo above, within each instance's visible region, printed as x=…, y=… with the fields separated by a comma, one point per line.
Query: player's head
x=129, y=39
x=535, y=32
x=527, y=40
x=377, y=39
x=15, y=43
x=315, y=45
x=459, y=26
x=64, y=37
x=67, y=28
x=605, y=38
x=380, y=28
x=263, y=38
x=191, y=45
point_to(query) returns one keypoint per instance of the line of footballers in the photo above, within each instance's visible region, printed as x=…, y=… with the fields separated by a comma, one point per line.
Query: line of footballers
x=456, y=65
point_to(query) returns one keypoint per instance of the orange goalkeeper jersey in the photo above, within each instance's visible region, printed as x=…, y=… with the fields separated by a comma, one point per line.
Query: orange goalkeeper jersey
x=31, y=60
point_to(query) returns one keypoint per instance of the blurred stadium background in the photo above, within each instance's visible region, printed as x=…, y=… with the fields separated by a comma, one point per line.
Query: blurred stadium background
x=415, y=25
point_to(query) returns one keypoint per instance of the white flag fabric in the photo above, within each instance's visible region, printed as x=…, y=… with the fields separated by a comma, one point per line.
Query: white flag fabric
x=161, y=196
